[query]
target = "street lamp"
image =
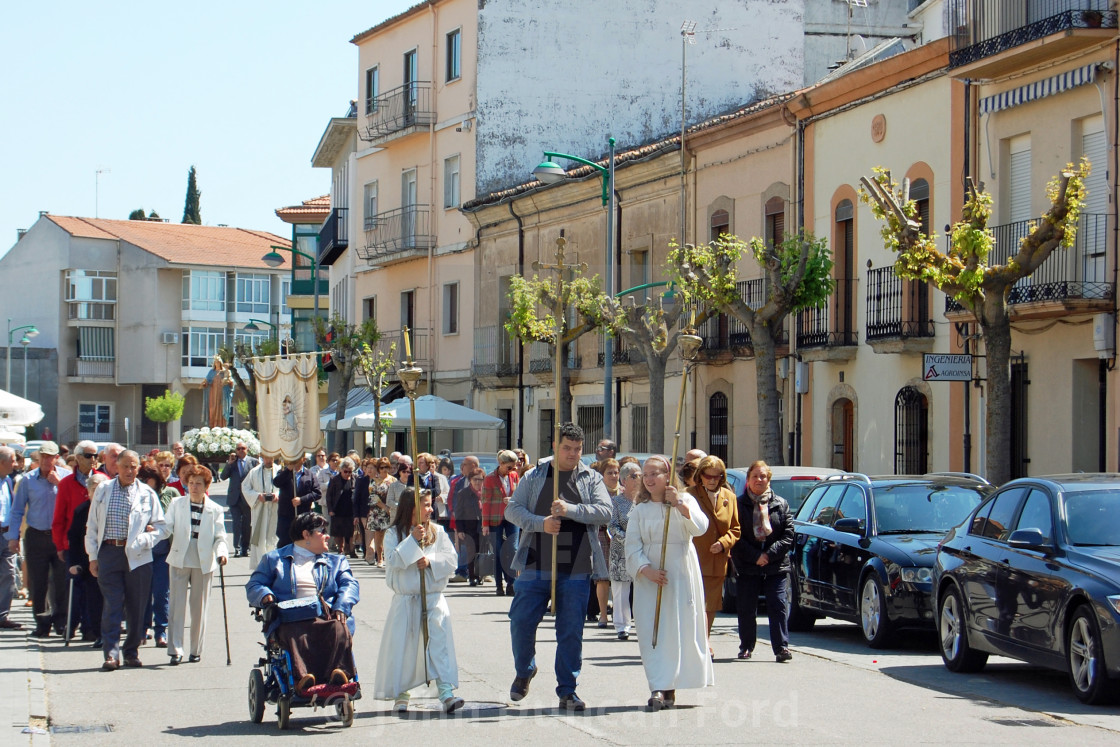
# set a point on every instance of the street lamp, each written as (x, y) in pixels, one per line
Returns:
(549, 172)
(25, 341)
(275, 259)
(31, 332)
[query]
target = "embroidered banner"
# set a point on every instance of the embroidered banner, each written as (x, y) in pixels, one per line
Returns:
(288, 406)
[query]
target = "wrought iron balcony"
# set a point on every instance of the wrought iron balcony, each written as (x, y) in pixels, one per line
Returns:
(1078, 275)
(495, 352)
(984, 28)
(399, 112)
(622, 353)
(334, 236)
(398, 234)
(541, 356)
(896, 308)
(832, 325)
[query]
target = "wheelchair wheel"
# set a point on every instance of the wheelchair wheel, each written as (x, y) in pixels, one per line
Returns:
(345, 711)
(283, 712)
(256, 696)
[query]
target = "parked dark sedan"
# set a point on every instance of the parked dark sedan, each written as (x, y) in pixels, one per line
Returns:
(1034, 574)
(864, 549)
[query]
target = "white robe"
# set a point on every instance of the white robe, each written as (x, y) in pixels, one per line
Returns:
(400, 662)
(681, 658)
(262, 535)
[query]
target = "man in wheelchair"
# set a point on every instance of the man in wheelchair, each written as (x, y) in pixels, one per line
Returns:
(306, 595)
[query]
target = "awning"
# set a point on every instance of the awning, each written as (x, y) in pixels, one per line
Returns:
(432, 412)
(358, 399)
(1039, 89)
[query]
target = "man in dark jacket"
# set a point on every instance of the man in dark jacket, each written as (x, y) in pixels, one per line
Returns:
(761, 558)
(240, 513)
(297, 489)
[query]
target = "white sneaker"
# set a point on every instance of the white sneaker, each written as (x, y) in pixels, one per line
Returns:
(452, 703)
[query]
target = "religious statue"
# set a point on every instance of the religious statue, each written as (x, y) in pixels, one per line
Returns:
(217, 395)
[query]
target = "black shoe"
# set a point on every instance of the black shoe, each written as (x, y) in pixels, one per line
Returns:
(572, 703)
(176, 660)
(194, 658)
(97, 644)
(509, 590)
(520, 687)
(500, 591)
(623, 636)
(783, 656)
(41, 633)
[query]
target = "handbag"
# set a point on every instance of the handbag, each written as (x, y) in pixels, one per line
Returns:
(298, 610)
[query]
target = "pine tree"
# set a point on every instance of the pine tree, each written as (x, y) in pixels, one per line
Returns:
(191, 212)
(153, 215)
(137, 214)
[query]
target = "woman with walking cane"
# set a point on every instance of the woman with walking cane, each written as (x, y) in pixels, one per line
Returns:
(196, 526)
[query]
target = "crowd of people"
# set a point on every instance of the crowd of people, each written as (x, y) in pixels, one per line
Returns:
(646, 546)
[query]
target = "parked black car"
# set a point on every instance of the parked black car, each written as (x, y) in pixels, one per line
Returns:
(1034, 574)
(864, 549)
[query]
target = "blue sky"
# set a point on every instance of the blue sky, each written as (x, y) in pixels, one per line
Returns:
(240, 89)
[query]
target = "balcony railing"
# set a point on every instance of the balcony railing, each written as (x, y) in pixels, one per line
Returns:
(831, 325)
(984, 28)
(1078, 273)
(334, 236)
(421, 349)
(541, 357)
(622, 353)
(495, 352)
(92, 310)
(404, 231)
(91, 368)
(398, 110)
(896, 308)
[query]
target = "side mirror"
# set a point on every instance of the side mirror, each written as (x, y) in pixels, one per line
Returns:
(1028, 539)
(849, 526)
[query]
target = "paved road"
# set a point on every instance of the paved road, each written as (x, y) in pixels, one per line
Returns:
(834, 691)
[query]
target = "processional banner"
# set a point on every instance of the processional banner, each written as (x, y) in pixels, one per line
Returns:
(288, 405)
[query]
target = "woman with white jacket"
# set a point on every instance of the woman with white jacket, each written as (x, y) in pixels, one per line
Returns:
(197, 529)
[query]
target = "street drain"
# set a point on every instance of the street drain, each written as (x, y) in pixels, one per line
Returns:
(82, 729)
(1024, 722)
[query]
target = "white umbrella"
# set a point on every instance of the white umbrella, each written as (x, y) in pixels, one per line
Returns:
(11, 437)
(17, 411)
(432, 412)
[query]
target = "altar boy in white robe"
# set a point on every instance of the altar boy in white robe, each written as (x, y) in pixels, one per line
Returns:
(259, 491)
(412, 549)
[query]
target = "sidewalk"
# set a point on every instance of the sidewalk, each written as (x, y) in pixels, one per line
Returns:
(21, 680)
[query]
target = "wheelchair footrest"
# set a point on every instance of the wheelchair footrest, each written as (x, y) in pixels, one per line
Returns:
(326, 690)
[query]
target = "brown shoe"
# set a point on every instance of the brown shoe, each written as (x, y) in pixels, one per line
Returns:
(133, 661)
(110, 665)
(338, 677)
(6, 624)
(306, 681)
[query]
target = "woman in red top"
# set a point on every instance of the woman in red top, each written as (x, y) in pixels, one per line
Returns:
(496, 492)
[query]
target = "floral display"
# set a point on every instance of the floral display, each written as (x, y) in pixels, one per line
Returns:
(216, 444)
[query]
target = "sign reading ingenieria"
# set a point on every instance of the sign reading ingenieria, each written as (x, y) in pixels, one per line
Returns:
(945, 367)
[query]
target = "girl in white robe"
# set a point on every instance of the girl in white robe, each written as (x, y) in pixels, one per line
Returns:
(681, 658)
(412, 549)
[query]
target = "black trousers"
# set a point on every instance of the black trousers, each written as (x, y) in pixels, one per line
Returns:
(776, 587)
(126, 593)
(46, 576)
(241, 516)
(469, 548)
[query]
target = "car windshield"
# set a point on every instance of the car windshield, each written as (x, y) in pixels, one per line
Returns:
(1093, 518)
(906, 509)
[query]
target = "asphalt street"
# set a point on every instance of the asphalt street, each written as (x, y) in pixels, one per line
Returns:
(834, 691)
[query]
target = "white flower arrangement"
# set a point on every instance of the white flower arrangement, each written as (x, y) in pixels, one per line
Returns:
(216, 444)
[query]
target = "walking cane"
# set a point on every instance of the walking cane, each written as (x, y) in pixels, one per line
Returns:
(690, 345)
(225, 618)
(69, 606)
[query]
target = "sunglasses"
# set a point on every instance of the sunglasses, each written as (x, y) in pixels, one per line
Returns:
(710, 477)
(87, 456)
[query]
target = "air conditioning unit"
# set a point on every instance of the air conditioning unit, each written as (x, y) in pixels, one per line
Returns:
(169, 338)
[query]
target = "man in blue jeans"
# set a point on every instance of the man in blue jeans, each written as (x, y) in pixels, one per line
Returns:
(572, 523)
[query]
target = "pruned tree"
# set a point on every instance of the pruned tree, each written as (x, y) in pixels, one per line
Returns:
(374, 366)
(345, 342)
(965, 274)
(797, 275)
(191, 210)
(164, 409)
(532, 318)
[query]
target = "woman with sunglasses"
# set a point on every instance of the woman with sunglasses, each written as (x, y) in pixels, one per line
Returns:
(340, 507)
(718, 502)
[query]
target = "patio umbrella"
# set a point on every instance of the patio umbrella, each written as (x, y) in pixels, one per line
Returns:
(17, 411)
(11, 437)
(432, 412)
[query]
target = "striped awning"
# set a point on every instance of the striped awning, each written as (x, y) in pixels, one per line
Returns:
(1039, 89)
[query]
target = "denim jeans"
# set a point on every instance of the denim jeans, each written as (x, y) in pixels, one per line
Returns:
(533, 591)
(505, 532)
(156, 611)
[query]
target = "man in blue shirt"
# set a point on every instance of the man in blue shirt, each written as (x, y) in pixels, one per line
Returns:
(9, 561)
(34, 498)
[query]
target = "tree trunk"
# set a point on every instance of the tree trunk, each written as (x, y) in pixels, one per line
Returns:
(996, 327)
(766, 375)
(249, 392)
(340, 409)
(655, 365)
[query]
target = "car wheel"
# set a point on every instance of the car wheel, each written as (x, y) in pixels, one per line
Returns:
(256, 696)
(1084, 655)
(957, 654)
(873, 621)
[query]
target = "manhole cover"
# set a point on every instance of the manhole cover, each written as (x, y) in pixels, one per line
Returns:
(82, 729)
(470, 708)
(1023, 722)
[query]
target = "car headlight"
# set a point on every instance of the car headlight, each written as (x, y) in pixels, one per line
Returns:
(916, 575)
(1114, 600)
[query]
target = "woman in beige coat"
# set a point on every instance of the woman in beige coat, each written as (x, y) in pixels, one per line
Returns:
(197, 529)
